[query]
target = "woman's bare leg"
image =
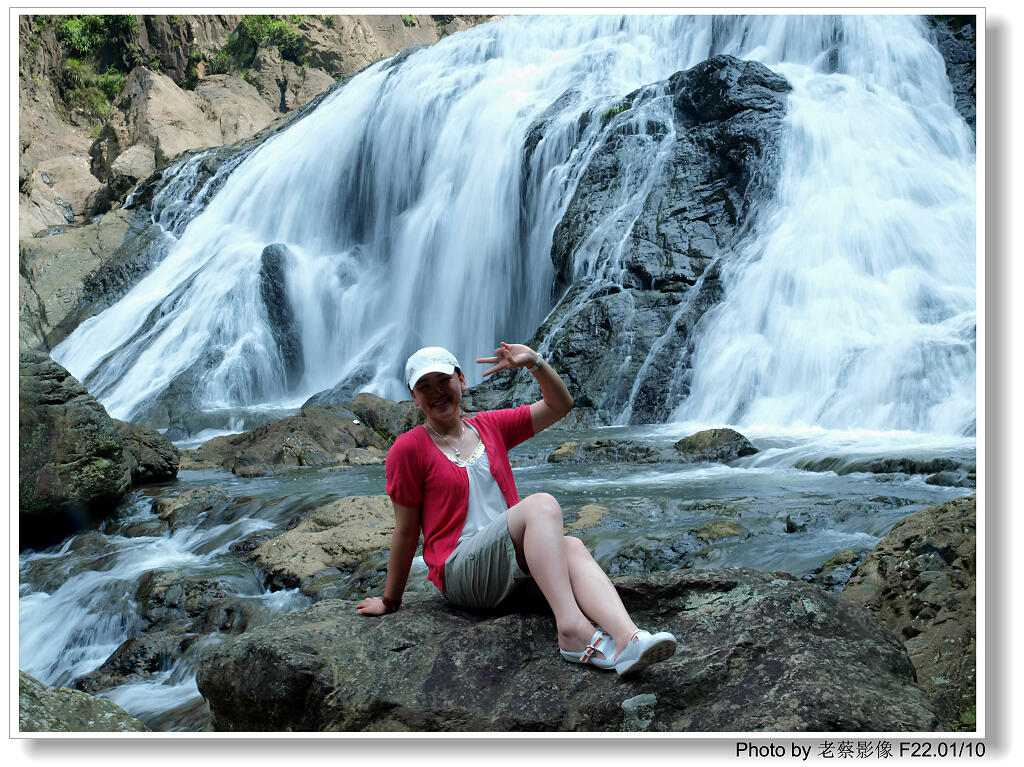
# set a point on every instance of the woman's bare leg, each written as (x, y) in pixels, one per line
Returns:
(575, 586)
(535, 526)
(595, 594)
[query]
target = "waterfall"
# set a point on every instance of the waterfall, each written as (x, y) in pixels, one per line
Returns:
(410, 216)
(853, 305)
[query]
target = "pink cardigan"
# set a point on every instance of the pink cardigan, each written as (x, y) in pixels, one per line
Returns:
(421, 477)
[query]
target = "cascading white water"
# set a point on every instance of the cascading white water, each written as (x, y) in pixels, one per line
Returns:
(853, 305)
(399, 199)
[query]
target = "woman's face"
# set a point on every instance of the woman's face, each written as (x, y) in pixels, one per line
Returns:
(438, 395)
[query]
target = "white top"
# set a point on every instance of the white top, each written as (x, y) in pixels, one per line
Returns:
(486, 502)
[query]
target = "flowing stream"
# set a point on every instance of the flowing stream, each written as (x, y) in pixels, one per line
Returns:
(846, 332)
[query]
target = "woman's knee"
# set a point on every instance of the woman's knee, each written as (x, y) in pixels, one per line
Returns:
(576, 549)
(543, 505)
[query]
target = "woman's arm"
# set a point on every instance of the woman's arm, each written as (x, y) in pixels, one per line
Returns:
(555, 399)
(403, 548)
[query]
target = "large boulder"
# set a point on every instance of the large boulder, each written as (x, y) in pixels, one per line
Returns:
(626, 309)
(921, 580)
(386, 417)
(759, 652)
(42, 708)
(714, 445)
(155, 115)
(152, 121)
(234, 106)
(335, 538)
(320, 435)
(151, 456)
(72, 470)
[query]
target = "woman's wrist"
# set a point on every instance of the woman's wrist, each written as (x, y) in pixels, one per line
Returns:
(538, 361)
(391, 605)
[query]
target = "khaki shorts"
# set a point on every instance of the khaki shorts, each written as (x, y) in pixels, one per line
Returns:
(483, 570)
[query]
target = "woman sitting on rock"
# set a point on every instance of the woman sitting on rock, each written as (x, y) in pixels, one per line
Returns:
(451, 479)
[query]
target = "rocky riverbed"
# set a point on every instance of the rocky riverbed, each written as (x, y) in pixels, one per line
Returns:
(187, 574)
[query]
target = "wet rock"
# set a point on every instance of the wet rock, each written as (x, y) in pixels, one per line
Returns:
(589, 515)
(321, 435)
(334, 537)
(386, 417)
(843, 465)
(834, 574)
(42, 708)
(603, 450)
(920, 580)
(763, 652)
(274, 292)
(72, 471)
(715, 445)
(170, 601)
(648, 554)
(136, 660)
(203, 506)
(144, 529)
(719, 529)
(151, 456)
(951, 479)
(955, 39)
(92, 550)
(623, 348)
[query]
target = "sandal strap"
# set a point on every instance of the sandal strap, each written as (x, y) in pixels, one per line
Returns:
(595, 643)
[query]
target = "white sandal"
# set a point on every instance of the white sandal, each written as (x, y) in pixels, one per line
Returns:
(644, 649)
(599, 643)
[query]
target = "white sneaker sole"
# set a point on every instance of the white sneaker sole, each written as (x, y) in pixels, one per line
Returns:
(663, 649)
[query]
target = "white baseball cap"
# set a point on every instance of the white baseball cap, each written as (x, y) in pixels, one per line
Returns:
(429, 359)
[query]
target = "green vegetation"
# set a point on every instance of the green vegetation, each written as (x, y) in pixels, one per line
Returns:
(113, 39)
(387, 436)
(191, 77)
(409, 20)
(261, 31)
(90, 91)
(609, 113)
(100, 50)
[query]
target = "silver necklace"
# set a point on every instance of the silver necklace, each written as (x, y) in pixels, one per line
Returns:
(457, 450)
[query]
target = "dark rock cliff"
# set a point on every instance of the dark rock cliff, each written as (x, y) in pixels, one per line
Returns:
(626, 311)
(955, 39)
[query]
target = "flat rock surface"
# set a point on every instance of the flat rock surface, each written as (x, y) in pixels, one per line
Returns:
(758, 651)
(337, 535)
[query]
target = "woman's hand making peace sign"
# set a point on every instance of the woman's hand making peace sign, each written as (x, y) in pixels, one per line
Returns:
(509, 356)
